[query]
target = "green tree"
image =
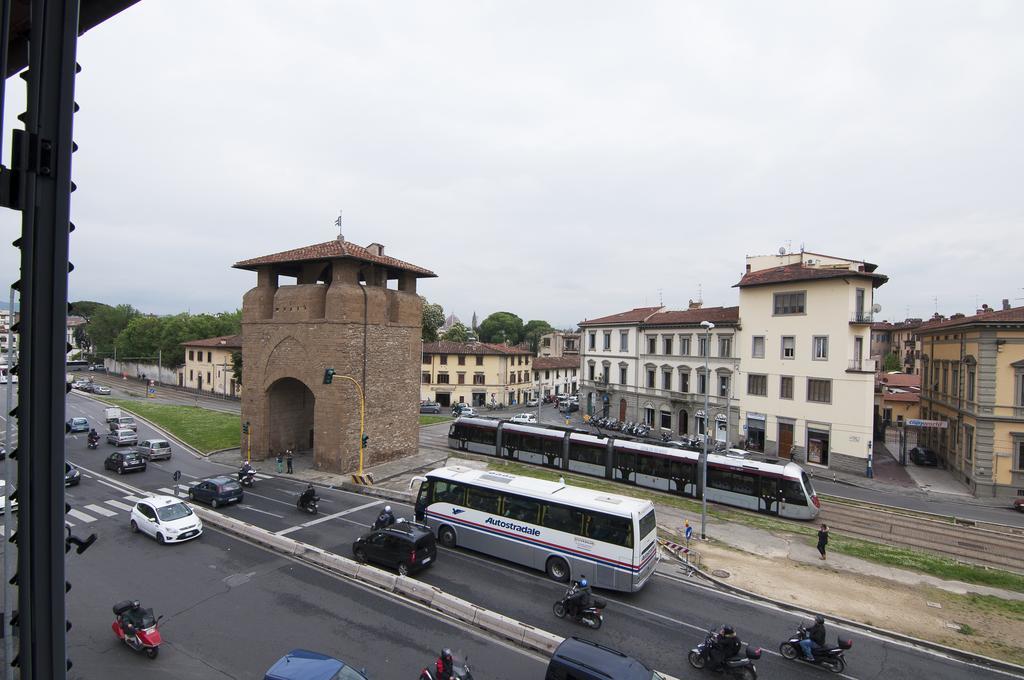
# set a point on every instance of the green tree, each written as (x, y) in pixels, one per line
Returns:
(891, 362)
(105, 324)
(140, 339)
(86, 308)
(501, 327)
(457, 333)
(533, 330)
(433, 318)
(236, 366)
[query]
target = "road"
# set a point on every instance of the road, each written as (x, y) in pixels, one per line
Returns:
(657, 625)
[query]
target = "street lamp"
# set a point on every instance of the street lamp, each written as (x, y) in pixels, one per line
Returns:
(707, 326)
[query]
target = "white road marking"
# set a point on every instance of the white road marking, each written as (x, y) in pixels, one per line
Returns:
(133, 499)
(169, 492)
(81, 516)
(260, 475)
(100, 510)
(113, 486)
(327, 518)
(246, 507)
(119, 505)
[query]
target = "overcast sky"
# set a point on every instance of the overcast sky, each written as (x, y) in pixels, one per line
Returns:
(560, 160)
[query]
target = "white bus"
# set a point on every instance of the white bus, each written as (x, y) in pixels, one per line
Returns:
(564, 530)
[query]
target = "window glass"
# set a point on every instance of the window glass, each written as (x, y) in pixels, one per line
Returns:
(521, 509)
(608, 529)
(483, 500)
(449, 492)
(176, 511)
(561, 518)
(648, 523)
(587, 453)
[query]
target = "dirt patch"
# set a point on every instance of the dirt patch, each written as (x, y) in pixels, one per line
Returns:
(894, 606)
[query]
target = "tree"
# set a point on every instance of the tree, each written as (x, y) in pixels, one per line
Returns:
(140, 339)
(502, 327)
(236, 366)
(433, 318)
(105, 324)
(533, 330)
(457, 333)
(891, 362)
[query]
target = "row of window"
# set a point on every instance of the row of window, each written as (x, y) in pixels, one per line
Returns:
(197, 355)
(558, 374)
(788, 346)
(951, 388)
(667, 344)
(819, 390)
(587, 523)
(444, 378)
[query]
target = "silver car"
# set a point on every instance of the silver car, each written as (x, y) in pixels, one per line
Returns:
(122, 437)
(155, 449)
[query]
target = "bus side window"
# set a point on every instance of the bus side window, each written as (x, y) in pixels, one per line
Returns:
(483, 500)
(520, 509)
(608, 529)
(449, 492)
(561, 518)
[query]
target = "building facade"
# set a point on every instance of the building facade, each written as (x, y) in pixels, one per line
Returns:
(972, 371)
(351, 309)
(559, 344)
(209, 365)
(648, 365)
(808, 384)
(7, 319)
(555, 375)
(475, 373)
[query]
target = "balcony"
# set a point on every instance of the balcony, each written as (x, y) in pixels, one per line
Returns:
(862, 317)
(861, 366)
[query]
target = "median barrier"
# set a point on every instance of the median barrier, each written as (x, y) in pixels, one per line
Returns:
(457, 607)
(416, 590)
(377, 577)
(495, 623)
(541, 640)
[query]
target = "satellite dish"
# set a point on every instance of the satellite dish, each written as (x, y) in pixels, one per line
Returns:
(782, 251)
(876, 308)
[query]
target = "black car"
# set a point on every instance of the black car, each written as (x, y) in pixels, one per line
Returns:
(124, 461)
(72, 476)
(586, 660)
(406, 546)
(216, 491)
(922, 455)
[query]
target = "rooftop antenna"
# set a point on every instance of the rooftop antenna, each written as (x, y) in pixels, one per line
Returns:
(661, 301)
(700, 294)
(935, 299)
(337, 223)
(908, 313)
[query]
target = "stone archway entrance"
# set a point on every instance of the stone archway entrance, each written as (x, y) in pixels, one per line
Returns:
(290, 419)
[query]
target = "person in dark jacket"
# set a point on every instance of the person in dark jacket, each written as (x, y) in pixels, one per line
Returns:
(445, 665)
(815, 638)
(822, 540)
(726, 646)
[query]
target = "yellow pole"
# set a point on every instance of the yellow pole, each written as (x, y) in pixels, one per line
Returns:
(362, 416)
(248, 446)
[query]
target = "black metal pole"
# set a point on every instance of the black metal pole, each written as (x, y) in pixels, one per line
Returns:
(46, 201)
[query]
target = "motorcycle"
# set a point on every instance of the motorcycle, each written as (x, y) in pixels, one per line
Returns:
(462, 672)
(740, 666)
(592, 616)
(827, 657)
(309, 506)
(247, 478)
(137, 628)
(93, 443)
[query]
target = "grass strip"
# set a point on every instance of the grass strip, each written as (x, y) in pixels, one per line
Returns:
(431, 419)
(203, 430)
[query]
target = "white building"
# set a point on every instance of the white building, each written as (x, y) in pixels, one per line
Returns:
(558, 344)
(555, 375)
(648, 365)
(808, 386)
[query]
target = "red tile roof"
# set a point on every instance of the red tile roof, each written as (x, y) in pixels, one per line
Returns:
(448, 347)
(798, 272)
(632, 316)
(1002, 316)
(684, 317)
(331, 250)
(900, 380)
(544, 363)
(908, 397)
(223, 341)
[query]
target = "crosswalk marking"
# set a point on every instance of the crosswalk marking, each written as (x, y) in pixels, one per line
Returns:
(167, 491)
(183, 487)
(260, 475)
(133, 499)
(100, 510)
(119, 505)
(81, 516)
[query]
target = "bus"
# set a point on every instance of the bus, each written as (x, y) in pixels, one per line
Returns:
(77, 364)
(563, 530)
(770, 486)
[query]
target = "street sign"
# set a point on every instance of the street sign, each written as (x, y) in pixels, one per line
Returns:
(151, 392)
(917, 422)
(176, 475)
(689, 532)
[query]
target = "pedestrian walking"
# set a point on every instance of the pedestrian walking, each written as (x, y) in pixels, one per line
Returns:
(280, 463)
(822, 540)
(290, 461)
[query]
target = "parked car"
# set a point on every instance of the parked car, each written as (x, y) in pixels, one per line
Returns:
(406, 546)
(124, 461)
(77, 425)
(430, 407)
(122, 437)
(155, 449)
(1018, 503)
(100, 389)
(167, 519)
(98, 367)
(84, 386)
(586, 660)
(526, 418)
(463, 410)
(123, 423)
(531, 402)
(216, 491)
(922, 455)
(302, 664)
(72, 475)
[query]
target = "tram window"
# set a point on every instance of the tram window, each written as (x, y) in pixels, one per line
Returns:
(482, 435)
(552, 447)
(449, 492)
(483, 500)
(681, 470)
(792, 492)
(511, 440)
(719, 479)
(585, 453)
(529, 443)
(744, 483)
(520, 509)
(655, 466)
(608, 529)
(625, 459)
(561, 518)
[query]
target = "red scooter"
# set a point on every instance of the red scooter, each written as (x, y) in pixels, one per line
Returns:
(137, 628)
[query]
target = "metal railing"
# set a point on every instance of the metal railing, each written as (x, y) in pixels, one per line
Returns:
(864, 365)
(862, 316)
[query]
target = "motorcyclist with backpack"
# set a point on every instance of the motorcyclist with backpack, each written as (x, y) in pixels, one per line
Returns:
(580, 599)
(93, 436)
(307, 496)
(445, 665)
(385, 519)
(726, 646)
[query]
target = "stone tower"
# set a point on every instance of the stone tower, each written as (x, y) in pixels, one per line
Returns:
(352, 309)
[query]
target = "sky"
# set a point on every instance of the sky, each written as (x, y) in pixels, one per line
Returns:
(560, 160)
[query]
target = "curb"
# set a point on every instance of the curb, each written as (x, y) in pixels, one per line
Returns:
(960, 654)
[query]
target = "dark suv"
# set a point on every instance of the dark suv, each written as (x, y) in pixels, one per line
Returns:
(577, 659)
(406, 546)
(922, 455)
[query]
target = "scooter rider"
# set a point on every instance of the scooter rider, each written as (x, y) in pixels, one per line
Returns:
(307, 496)
(385, 519)
(580, 599)
(815, 638)
(93, 436)
(445, 665)
(726, 646)
(245, 469)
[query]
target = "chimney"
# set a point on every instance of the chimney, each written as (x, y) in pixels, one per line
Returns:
(375, 249)
(1006, 304)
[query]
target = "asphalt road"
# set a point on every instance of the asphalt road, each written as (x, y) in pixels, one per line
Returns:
(657, 625)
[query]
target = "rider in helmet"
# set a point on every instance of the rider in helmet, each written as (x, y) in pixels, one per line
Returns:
(385, 519)
(308, 495)
(580, 599)
(445, 665)
(93, 436)
(815, 638)
(245, 469)
(726, 645)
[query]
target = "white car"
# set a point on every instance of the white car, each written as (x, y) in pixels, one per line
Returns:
(526, 418)
(531, 402)
(167, 519)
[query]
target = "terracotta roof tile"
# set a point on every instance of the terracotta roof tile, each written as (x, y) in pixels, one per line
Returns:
(223, 341)
(798, 272)
(900, 380)
(695, 316)
(544, 363)
(448, 347)
(908, 397)
(632, 316)
(1012, 315)
(331, 250)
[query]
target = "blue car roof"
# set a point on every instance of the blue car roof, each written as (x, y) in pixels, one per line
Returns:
(302, 664)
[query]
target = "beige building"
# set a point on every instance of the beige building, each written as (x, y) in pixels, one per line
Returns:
(555, 375)
(972, 371)
(475, 373)
(559, 344)
(209, 366)
(807, 384)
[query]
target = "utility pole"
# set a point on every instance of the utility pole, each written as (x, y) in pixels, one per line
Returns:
(707, 325)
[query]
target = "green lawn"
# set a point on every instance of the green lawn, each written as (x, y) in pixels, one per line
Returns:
(203, 430)
(430, 419)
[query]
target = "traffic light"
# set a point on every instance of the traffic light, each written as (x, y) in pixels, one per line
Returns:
(366, 438)
(328, 376)
(245, 427)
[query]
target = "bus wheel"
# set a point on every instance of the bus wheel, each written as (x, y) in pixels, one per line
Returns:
(558, 569)
(446, 535)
